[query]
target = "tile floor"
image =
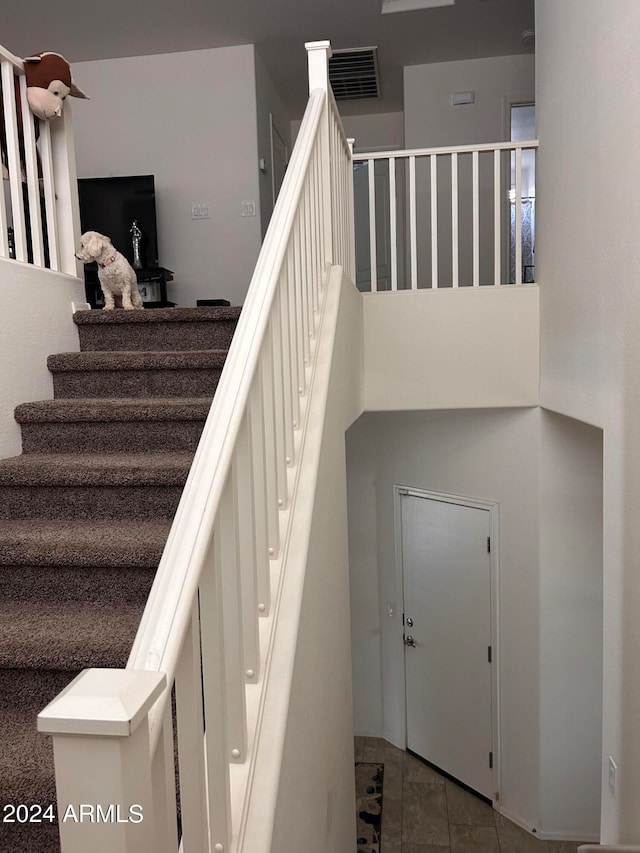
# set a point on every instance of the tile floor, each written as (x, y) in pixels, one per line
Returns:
(422, 812)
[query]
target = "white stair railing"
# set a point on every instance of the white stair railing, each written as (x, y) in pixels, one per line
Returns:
(200, 666)
(445, 217)
(39, 214)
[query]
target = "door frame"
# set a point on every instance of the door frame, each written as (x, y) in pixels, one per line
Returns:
(494, 560)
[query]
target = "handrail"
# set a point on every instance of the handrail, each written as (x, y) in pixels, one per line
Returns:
(446, 149)
(166, 617)
(17, 63)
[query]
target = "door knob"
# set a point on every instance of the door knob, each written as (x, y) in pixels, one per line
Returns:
(409, 621)
(409, 641)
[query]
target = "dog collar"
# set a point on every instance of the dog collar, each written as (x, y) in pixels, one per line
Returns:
(107, 262)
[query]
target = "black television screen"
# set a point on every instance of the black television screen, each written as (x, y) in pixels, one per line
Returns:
(110, 205)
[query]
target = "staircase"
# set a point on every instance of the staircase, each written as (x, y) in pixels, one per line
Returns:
(84, 516)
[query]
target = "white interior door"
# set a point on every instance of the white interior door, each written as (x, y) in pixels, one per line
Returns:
(447, 607)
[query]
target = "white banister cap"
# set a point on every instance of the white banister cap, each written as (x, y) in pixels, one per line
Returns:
(319, 45)
(103, 702)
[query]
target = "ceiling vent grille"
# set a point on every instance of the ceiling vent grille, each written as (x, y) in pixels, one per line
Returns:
(354, 74)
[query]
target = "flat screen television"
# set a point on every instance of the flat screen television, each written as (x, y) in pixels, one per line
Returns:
(110, 205)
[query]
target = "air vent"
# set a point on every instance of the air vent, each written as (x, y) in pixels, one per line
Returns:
(354, 74)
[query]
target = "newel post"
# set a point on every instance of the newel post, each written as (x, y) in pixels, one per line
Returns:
(101, 745)
(318, 56)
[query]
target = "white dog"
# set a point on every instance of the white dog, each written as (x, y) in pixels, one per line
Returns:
(117, 276)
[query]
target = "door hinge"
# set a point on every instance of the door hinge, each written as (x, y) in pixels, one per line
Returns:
(488, 544)
(489, 655)
(491, 760)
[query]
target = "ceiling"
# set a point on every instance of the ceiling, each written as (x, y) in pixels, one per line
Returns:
(279, 28)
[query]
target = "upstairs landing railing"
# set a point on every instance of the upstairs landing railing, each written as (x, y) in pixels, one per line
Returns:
(199, 671)
(445, 217)
(39, 216)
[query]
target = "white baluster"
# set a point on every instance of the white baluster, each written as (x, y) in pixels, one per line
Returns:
(190, 728)
(413, 237)
(46, 159)
(392, 223)
(261, 502)
(434, 221)
(372, 227)
(226, 562)
(476, 220)
(216, 729)
(13, 160)
(497, 203)
(518, 216)
(454, 220)
(164, 788)
(33, 183)
(243, 472)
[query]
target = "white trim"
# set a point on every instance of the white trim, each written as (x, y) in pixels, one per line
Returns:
(447, 149)
(493, 508)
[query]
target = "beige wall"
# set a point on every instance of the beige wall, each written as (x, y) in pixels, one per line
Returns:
(190, 120)
(570, 627)
(451, 349)
(35, 321)
(588, 73)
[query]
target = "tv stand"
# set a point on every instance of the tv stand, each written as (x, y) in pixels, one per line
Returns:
(152, 284)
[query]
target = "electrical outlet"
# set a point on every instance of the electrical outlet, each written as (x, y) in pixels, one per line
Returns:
(613, 772)
(200, 211)
(248, 208)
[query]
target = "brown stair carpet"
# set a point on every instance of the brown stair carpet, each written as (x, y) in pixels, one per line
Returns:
(84, 516)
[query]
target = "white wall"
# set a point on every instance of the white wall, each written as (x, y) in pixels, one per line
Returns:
(495, 455)
(378, 131)
(431, 120)
(190, 120)
(268, 102)
(452, 349)
(570, 627)
(35, 322)
(588, 74)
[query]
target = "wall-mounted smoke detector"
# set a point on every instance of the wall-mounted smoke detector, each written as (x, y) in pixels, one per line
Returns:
(391, 6)
(528, 36)
(353, 74)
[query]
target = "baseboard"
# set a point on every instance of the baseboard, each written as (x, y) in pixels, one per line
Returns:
(523, 824)
(577, 837)
(566, 835)
(367, 734)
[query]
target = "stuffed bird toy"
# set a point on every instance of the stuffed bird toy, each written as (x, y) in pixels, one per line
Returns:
(49, 81)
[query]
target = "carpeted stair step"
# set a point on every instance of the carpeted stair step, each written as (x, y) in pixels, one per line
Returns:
(129, 486)
(103, 425)
(124, 373)
(156, 329)
(26, 759)
(56, 636)
(89, 544)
